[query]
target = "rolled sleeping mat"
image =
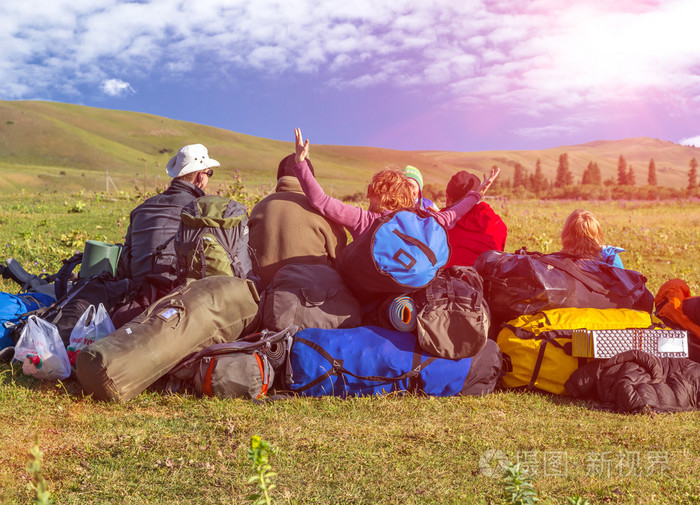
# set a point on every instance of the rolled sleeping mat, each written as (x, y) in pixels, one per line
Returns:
(196, 315)
(399, 313)
(277, 354)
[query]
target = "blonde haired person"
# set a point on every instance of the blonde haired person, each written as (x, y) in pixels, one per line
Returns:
(582, 236)
(389, 190)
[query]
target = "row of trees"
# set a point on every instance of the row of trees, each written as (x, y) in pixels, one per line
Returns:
(538, 184)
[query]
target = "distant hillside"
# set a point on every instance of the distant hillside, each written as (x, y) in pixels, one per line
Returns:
(63, 147)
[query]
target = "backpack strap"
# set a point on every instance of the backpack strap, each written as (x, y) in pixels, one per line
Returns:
(61, 282)
(548, 338)
(159, 250)
(202, 260)
(337, 368)
(417, 365)
(264, 368)
(477, 297)
(158, 265)
(206, 382)
(568, 266)
(248, 344)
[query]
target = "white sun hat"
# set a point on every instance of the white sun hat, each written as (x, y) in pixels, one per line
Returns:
(191, 158)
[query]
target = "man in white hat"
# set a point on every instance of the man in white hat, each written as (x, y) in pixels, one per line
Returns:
(156, 220)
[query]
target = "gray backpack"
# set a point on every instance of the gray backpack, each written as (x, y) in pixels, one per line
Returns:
(242, 369)
(309, 296)
(213, 239)
(453, 317)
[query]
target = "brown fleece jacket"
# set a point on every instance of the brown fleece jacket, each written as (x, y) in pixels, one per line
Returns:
(285, 228)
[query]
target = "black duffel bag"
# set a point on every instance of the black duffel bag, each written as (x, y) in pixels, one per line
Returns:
(523, 282)
(65, 312)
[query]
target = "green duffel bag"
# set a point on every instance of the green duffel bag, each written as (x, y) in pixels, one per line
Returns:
(196, 315)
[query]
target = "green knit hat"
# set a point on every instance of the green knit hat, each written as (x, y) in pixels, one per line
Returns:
(413, 173)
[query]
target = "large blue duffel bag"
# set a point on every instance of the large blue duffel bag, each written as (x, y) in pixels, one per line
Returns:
(401, 252)
(12, 306)
(371, 360)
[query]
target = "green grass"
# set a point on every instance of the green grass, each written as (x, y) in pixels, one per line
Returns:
(404, 450)
(661, 238)
(160, 449)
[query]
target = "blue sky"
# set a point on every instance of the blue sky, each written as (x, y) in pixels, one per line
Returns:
(465, 75)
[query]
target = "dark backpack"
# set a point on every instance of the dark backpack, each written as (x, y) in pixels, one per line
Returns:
(245, 368)
(401, 252)
(213, 239)
(152, 288)
(65, 312)
(453, 317)
(309, 296)
(525, 282)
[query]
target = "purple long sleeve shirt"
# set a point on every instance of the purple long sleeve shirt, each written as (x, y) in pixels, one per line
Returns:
(356, 219)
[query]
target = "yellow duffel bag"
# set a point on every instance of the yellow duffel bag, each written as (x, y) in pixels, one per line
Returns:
(537, 348)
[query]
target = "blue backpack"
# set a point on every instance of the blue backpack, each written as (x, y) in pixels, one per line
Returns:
(401, 252)
(371, 360)
(12, 306)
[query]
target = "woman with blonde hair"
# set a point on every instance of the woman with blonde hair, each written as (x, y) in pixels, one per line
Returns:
(582, 236)
(389, 190)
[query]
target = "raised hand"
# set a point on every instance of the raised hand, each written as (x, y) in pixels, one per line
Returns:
(484, 186)
(302, 147)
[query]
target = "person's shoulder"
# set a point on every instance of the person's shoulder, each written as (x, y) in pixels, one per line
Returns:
(482, 206)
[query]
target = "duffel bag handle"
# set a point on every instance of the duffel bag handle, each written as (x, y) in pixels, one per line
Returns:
(429, 290)
(420, 245)
(317, 301)
(574, 271)
(337, 368)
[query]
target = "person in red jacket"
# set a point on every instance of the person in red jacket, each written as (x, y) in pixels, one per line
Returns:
(479, 230)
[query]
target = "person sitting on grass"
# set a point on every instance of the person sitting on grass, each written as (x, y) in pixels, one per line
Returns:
(416, 180)
(583, 237)
(157, 219)
(388, 191)
(479, 230)
(285, 228)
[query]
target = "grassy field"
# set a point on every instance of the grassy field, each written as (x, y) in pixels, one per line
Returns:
(175, 448)
(50, 145)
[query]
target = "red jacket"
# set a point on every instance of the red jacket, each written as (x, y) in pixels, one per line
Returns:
(479, 230)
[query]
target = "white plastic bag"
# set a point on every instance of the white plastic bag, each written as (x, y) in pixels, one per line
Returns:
(93, 325)
(41, 351)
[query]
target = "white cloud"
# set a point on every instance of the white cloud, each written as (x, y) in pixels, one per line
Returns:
(116, 87)
(690, 141)
(533, 57)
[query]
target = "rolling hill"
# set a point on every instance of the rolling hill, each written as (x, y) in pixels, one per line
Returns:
(50, 146)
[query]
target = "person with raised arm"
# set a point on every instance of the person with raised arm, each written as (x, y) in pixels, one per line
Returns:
(285, 229)
(389, 190)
